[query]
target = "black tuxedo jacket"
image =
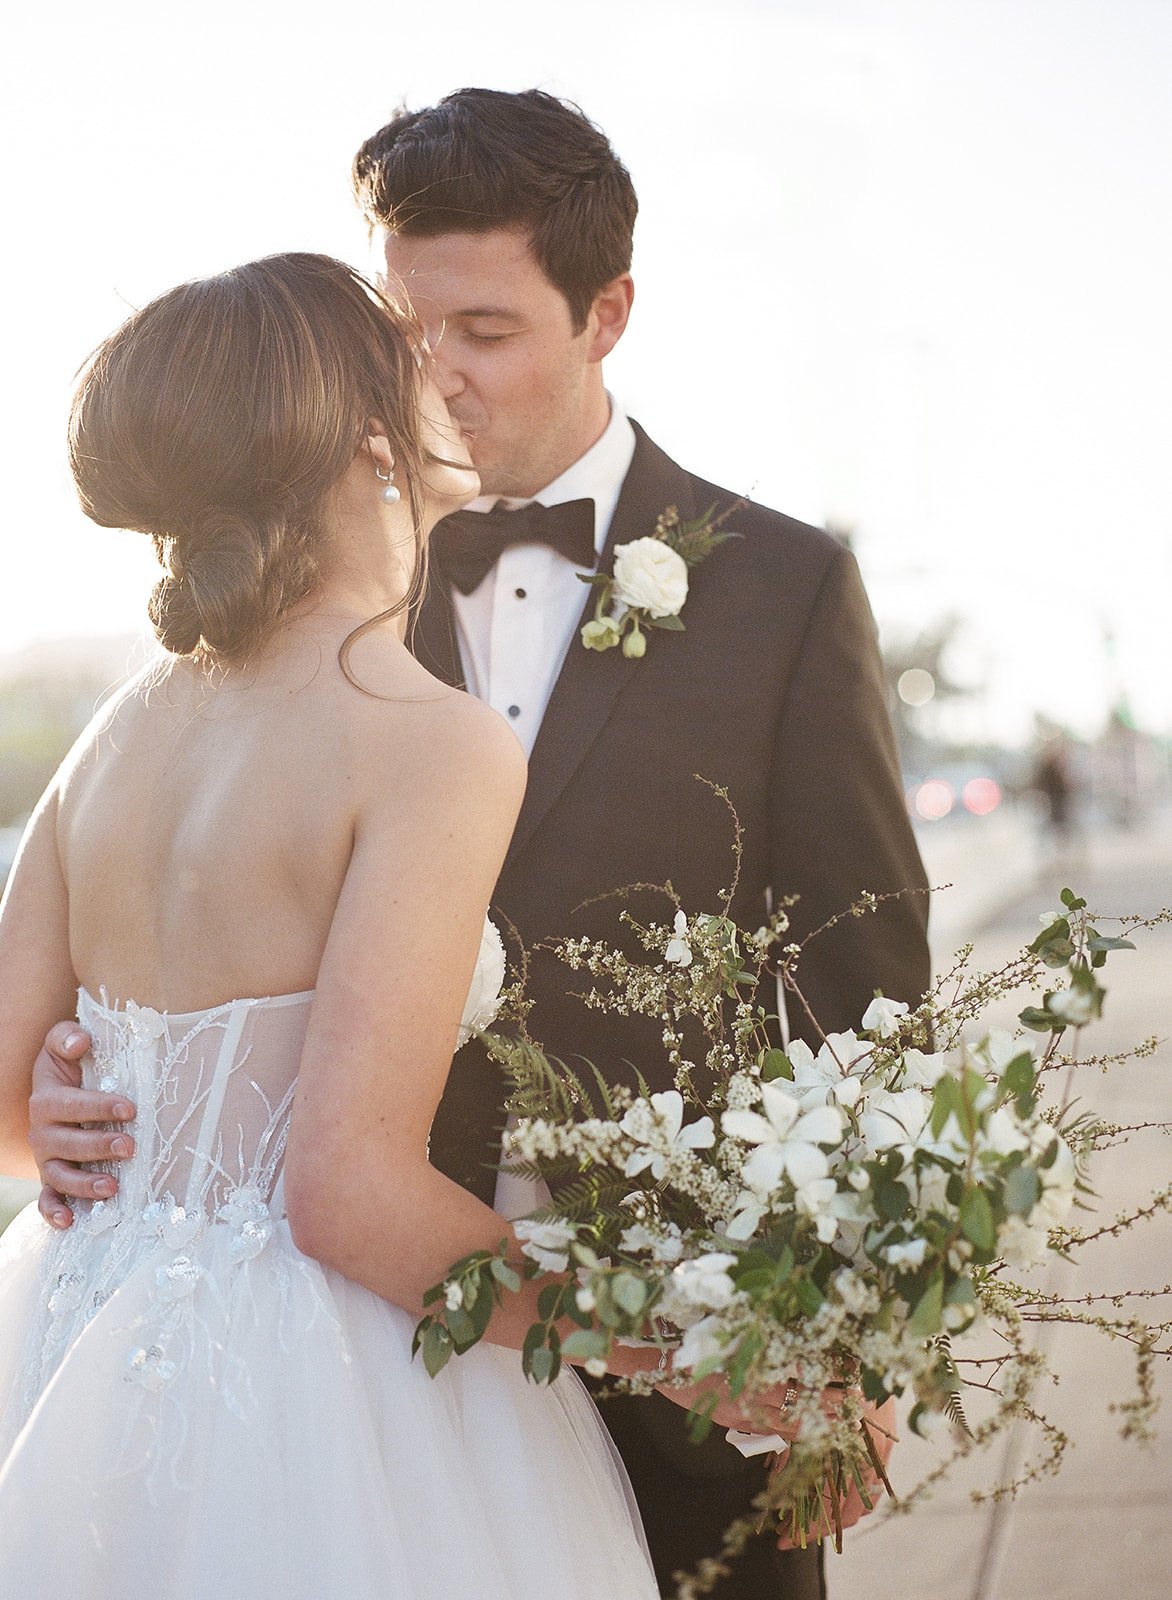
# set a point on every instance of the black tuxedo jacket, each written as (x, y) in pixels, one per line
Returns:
(774, 690)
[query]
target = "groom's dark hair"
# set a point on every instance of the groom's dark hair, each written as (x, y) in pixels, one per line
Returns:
(484, 159)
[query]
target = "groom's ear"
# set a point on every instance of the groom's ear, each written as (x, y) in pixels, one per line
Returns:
(608, 315)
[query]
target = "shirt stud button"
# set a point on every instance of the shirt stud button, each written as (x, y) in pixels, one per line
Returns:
(522, 594)
(514, 711)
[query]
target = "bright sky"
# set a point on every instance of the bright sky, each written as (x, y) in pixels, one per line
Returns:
(900, 263)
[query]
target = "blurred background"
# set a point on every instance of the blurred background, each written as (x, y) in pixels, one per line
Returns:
(902, 269)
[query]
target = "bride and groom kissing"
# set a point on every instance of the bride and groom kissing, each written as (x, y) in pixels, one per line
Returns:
(380, 821)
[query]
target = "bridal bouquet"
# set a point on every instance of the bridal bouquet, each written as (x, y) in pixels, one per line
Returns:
(796, 1217)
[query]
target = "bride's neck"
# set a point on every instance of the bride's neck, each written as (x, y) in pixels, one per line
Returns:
(369, 570)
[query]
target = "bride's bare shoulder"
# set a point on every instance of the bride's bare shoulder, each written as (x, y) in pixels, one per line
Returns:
(407, 728)
(117, 715)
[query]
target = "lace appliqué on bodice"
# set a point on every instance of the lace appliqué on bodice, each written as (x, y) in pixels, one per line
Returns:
(203, 1192)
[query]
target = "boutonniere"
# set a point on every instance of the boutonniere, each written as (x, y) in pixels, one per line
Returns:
(650, 580)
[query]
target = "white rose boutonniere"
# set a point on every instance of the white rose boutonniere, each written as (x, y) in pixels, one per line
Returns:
(650, 575)
(649, 584)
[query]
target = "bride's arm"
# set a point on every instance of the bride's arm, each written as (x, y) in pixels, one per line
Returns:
(429, 843)
(362, 1196)
(37, 985)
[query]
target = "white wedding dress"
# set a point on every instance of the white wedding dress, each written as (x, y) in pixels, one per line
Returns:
(191, 1409)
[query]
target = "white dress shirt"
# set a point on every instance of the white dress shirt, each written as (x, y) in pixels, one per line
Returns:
(515, 627)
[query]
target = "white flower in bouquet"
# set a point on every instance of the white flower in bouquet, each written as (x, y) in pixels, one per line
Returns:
(834, 1074)
(882, 1016)
(859, 1297)
(907, 1253)
(1021, 1245)
(679, 951)
(922, 1071)
(932, 1187)
(787, 1138)
(701, 1342)
(650, 575)
(788, 1144)
(547, 1243)
(657, 1126)
(995, 1050)
(1075, 1006)
(487, 980)
(894, 1118)
(1003, 1134)
(664, 1242)
(1058, 1179)
(820, 1200)
(702, 1284)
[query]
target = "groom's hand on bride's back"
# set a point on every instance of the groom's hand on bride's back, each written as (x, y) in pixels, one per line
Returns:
(60, 1112)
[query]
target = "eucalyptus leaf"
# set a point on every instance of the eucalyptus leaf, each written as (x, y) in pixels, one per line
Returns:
(1023, 1189)
(976, 1219)
(776, 1064)
(585, 1344)
(541, 1365)
(505, 1276)
(892, 1199)
(630, 1293)
(437, 1349)
(1018, 1077)
(927, 1315)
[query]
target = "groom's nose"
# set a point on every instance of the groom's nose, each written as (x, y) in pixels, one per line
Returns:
(449, 380)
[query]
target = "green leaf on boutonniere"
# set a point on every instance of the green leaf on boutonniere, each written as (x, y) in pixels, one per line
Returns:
(648, 586)
(697, 539)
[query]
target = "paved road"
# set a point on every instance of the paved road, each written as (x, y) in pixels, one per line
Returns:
(1102, 1526)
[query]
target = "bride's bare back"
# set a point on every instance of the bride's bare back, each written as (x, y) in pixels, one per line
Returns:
(206, 821)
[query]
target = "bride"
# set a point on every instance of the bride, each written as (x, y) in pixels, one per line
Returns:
(259, 881)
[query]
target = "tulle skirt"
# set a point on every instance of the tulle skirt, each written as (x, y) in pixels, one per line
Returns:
(228, 1428)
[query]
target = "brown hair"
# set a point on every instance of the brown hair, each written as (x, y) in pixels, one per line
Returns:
(484, 159)
(220, 417)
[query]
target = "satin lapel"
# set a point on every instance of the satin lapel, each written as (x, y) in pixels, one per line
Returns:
(433, 642)
(589, 682)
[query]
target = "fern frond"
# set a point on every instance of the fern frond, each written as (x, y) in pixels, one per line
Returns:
(595, 1195)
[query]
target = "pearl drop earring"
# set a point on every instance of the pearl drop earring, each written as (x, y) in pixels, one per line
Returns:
(390, 494)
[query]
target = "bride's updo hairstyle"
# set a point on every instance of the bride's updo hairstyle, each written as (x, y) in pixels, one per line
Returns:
(219, 419)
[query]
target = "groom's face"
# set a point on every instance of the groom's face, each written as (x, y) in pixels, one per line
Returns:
(521, 385)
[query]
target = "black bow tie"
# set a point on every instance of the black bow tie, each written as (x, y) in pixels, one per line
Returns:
(468, 544)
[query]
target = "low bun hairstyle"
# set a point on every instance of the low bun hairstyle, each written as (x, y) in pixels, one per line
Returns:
(219, 419)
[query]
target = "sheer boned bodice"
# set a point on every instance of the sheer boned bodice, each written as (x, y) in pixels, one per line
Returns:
(213, 1091)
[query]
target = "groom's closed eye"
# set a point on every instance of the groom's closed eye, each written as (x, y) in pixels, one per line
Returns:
(483, 324)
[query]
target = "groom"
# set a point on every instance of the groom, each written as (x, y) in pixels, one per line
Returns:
(507, 221)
